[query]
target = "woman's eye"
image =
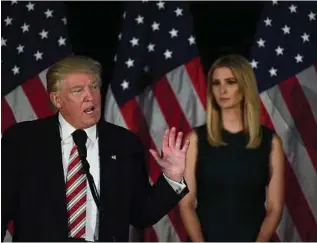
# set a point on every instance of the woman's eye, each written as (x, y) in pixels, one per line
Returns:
(232, 82)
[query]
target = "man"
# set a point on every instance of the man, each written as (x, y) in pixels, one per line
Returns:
(45, 186)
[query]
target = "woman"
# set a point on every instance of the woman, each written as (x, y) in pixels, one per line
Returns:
(235, 166)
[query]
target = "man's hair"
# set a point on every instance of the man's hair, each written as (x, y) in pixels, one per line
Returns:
(250, 106)
(71, 64)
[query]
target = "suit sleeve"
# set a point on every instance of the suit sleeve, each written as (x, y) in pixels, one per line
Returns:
(10, 179)
(150, 203)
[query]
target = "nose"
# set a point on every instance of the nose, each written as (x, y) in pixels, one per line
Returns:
(88, 95)
(223, 88)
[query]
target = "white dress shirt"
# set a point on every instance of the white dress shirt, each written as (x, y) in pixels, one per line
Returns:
(92, 145)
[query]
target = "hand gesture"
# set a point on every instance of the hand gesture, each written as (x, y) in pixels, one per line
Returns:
(173, 157)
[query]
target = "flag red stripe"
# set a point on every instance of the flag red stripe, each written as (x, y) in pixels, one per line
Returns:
(275, 237)
(38, 97)
(7, 116)
(196, 74)
(169, 105)
(135, 121)
(150, 235)
(129, 111)
(174, 116)
(294, 198)
(299, 108)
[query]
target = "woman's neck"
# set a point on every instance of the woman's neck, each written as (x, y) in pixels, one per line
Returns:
(232, 119)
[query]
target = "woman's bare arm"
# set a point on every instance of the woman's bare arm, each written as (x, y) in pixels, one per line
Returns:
(187, 204)
(275, 192)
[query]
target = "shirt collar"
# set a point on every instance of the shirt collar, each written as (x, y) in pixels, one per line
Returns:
(67, 129)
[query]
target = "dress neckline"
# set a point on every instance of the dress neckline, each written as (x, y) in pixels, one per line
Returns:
(233, 133)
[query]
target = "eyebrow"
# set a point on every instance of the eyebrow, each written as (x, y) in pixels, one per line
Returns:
(226, 78)
(76, 87)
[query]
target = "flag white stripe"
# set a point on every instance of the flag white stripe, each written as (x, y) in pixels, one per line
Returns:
(8, 237)
(187, 97)
(112, 111)
(153, 116)
(293, 146)
(286, 230)
(308, 81)
(157, 125)
(20, 105)
(113, 115)
(42, 77)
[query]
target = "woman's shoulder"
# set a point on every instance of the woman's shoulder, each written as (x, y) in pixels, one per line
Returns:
(269, 136)
(267, 130)
(200, 129)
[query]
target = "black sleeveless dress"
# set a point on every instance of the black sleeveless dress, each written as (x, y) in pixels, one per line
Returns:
(231, 186)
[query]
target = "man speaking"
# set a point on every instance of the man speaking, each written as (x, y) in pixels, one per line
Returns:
(73, 176)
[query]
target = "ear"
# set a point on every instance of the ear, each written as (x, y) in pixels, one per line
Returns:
(54, 97)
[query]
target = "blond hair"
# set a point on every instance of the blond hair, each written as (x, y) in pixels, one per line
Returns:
(250, 106)
(71, 64)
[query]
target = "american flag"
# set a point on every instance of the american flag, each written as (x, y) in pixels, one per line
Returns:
(157, 83)
(284, 58)
(34, 36)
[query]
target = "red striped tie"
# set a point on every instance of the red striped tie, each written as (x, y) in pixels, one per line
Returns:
(76, 196)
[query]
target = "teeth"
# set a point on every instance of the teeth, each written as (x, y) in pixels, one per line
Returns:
(89, 110)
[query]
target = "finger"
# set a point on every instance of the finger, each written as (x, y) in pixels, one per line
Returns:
(171, 140)
(185, 146)
(179, 140)
(159, 161)
(155, 154)
(165, 139)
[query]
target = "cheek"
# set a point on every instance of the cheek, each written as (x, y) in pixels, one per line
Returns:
(97, 97)
(215, 90)
(235, 92)
(74, 103)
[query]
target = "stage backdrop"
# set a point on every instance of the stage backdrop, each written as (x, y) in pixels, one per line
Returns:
(154, 56)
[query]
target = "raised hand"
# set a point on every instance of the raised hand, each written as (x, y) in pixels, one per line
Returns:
(173, 158)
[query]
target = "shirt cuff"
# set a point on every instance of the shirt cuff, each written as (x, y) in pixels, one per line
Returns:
(177, 186)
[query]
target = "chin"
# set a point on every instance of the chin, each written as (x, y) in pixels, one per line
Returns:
(229, 106)
(91, 121)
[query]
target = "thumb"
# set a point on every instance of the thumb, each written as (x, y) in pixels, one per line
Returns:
(155, 154)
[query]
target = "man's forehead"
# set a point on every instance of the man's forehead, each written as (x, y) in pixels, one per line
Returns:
(78, 77)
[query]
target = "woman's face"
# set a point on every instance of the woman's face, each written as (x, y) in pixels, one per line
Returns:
(225, 88)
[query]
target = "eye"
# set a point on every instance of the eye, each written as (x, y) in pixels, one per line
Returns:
(231, 82)
(77, 90)
(215, 82)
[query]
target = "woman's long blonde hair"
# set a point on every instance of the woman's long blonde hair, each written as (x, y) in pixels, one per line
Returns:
(250, 106)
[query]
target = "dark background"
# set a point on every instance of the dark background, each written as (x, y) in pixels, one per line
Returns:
(220, 27)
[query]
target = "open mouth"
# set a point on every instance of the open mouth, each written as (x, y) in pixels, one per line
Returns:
(90, 110)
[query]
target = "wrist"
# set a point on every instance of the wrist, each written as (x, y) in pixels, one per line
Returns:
(175, 177)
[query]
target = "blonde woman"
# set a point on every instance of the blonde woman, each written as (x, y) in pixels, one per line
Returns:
(235, 166)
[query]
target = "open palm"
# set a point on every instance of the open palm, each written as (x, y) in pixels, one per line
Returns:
(173, 158)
